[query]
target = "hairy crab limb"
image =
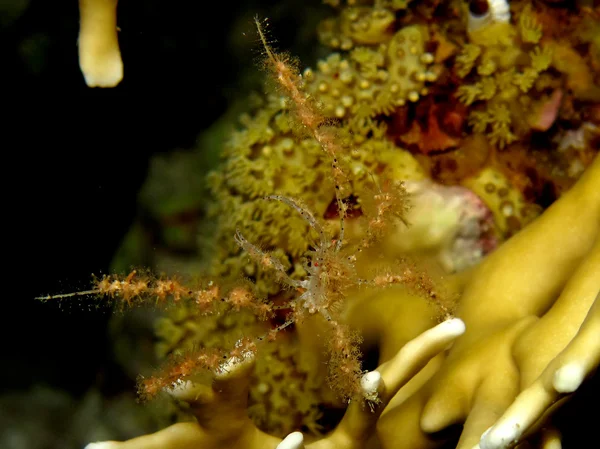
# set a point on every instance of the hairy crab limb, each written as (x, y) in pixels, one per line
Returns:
(222, 416)
(220, 410)
(99, 54)
(379, 386)
(523, 306)
(304, 213)
(317, 294)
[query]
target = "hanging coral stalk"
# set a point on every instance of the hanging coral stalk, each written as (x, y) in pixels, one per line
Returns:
(99, 54)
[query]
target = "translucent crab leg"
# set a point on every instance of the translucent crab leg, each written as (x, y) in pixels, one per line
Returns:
(310, 218)
(266, 260)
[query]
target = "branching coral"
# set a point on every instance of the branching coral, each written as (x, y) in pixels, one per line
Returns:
(564, 374)
(99, 54)
(504, 353)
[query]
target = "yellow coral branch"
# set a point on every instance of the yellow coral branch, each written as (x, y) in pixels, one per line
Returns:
(99, 54)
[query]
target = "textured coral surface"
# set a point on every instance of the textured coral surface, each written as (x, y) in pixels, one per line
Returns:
(441, 161)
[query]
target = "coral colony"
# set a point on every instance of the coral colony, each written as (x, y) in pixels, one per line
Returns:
(405, 237)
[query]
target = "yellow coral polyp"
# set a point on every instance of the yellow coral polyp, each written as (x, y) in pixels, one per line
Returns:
(465, 61)
(469, 93)
(529, 27)
(511, 212)
(374, 81)
(499, 55)
(366, 25)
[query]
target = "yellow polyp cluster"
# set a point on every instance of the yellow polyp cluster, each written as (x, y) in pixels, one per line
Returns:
(271, 155)
(511, 211)
(374, 81)
(277, 380)
(465, 60)
(264, 158)
(495, 123)
(357, 26)
(500, 66)
(184, 329)
(284, 395)
(529, 28)
(360, 22)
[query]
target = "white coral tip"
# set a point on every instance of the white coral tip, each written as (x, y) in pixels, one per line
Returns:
(453, 327)
(502, 435)
(568, 378)
(294, 440)
(101, 445)
(370, 383)
(500, 10)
